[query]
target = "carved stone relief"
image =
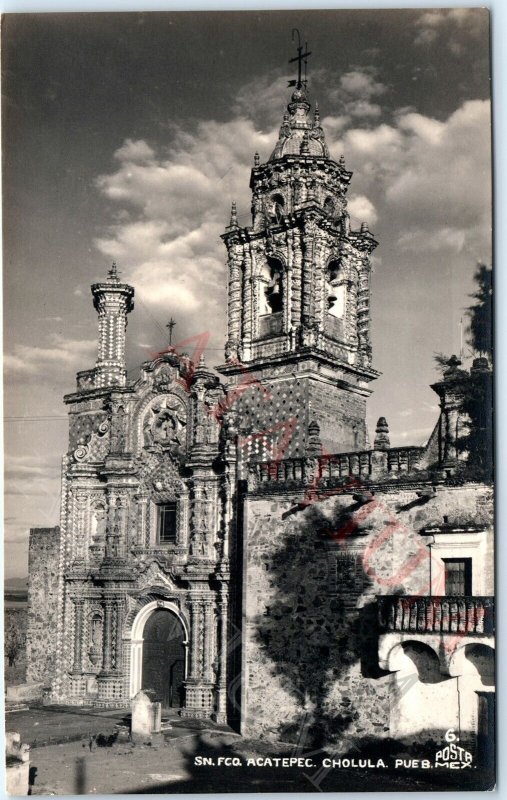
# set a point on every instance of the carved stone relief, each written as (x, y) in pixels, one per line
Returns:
(164, 424)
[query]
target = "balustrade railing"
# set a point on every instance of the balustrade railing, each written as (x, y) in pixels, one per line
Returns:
(443, 614)
(339, 465)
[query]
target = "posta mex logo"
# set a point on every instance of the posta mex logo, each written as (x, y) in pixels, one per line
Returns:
(452, 756)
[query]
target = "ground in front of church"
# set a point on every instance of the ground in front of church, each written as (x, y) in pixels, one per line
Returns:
(191, 757)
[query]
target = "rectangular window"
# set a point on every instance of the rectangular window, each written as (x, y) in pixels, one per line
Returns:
(458, 576)
(167, 523)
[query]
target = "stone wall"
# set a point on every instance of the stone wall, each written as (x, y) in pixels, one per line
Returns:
(15, 625)
(42, 603)
(312, 573)
(275, 416)
(341, 416)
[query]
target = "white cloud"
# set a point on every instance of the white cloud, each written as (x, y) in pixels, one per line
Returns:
(362, 209)
(452, 239)
(363, 108)
(432, 175)
(263, 99)
(355, 91)
(169, 247)
(452, 27)
(361, 84)
(135, 151)
(27, 469)
(170, 206)
(47, 362)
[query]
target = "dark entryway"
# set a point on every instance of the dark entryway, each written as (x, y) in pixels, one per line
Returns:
(164, 657)
(486, 729)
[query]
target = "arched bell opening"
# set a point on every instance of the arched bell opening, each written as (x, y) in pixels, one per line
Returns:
(274, 287)
(329, 206)
(336, 286)
(271, 297)
(277, 209)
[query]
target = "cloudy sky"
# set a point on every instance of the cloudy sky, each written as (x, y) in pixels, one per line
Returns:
(126, 136)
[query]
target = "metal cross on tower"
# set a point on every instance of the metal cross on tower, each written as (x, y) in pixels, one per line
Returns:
(113, 272)
(299, 58)
(170, 325)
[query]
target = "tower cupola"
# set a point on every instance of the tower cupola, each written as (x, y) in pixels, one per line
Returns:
(299, 275)
(113, 301)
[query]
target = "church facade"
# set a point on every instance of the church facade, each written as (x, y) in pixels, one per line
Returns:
(234, 541)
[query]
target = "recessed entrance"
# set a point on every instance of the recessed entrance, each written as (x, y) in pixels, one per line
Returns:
(163, 667)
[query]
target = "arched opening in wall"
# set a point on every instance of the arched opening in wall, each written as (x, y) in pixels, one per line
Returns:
(271, 297)
(425, 661)
(277, 209)
(482, 659)
(163, 663)
(424, 699)
(274, 288)
(329, 206)
(96, 624)
(336, 298)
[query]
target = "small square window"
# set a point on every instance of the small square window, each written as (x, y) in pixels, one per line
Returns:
(458, 576)
(167, 523)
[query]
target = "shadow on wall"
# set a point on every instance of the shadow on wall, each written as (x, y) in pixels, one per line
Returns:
(317, 636)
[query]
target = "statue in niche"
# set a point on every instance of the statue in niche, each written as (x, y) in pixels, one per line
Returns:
(163, 379)
(165, 424)
(118, 437)
(147, 437)
(112, 544)
(198, 545)
(99, 521)
(95, 651)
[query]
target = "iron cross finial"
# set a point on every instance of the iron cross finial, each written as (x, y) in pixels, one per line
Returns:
(170, 325)
(299, 58)
(113, 272)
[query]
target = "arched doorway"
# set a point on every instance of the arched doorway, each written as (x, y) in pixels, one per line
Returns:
(163, 663)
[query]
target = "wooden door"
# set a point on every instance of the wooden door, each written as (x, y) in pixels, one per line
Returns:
(164, 657)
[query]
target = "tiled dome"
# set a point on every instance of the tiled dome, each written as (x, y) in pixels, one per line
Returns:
(298, 134)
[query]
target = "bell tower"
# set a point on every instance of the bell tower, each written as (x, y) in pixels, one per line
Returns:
(298, 295)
